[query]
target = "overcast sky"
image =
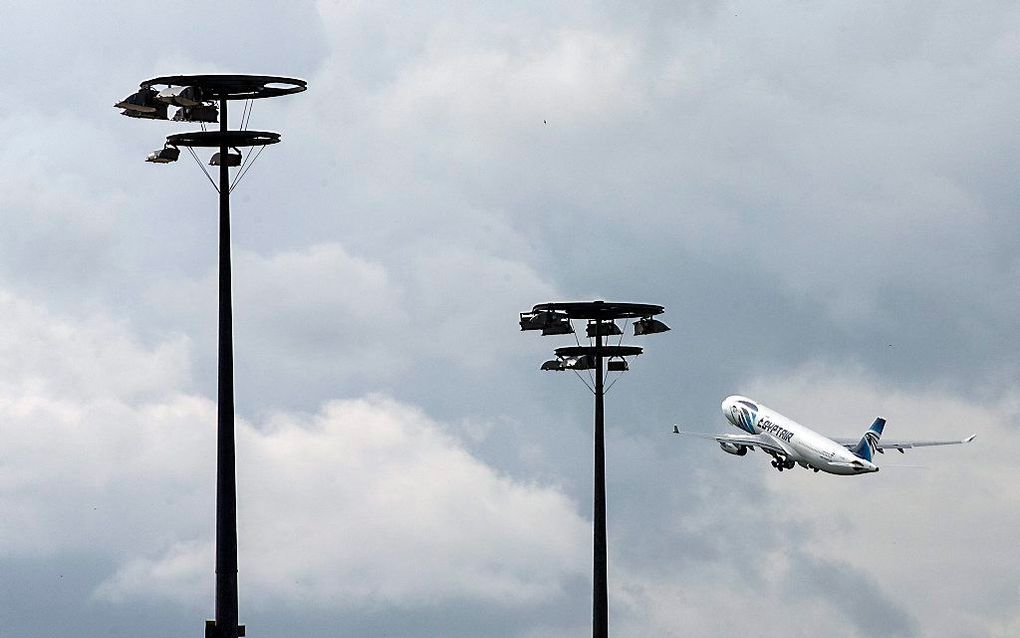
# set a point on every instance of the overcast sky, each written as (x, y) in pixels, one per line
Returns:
(823, 195)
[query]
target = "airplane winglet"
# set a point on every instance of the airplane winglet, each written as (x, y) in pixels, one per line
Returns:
(969, 438)
(676, 429)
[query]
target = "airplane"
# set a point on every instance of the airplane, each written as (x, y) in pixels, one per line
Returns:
(790, 443)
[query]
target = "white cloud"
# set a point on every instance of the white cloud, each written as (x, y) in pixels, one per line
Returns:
(93, 357)
(323, 318)
(88, 416)
(368, 502)
(61, 224)
(499, 82)
(715, 608)
(365, 502)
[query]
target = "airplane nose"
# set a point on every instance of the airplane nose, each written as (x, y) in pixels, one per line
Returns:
(728, 411)
(728, 403)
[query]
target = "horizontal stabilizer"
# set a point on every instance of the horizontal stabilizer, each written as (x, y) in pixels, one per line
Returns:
(901, 445)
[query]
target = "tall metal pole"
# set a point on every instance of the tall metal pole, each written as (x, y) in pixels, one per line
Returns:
(147, 103)
(226, 481)
(600, 594)
(555, 318)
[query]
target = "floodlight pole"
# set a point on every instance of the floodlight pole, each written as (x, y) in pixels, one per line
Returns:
(148, 105)
(549, 318)
(226, 478)
(600, 593)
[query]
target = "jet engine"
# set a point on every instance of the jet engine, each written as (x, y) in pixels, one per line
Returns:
(733, 448)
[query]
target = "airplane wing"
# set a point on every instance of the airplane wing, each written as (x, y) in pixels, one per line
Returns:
(893, 444)
(763, 441)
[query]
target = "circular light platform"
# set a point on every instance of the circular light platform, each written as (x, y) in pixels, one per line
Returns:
(607, 351)
(233, 87)
(213, 139)
(604, 310)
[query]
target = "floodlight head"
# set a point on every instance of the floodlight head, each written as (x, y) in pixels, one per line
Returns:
(539, 320)
(201, 113)
(181, 96)
(532, 321)
(604, 329)
(617, 365)
(554, 364)
(164, 155)
(559, 326)
(147, 115)
(649, 326)
(584, 362)
(143, 104)
(142, 101)
(232, 159)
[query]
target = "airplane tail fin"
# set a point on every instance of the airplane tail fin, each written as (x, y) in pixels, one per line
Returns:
(866, 448)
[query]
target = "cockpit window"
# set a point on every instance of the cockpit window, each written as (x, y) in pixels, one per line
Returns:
(748, 404)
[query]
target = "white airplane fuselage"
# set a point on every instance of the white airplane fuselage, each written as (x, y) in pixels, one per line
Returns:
(801, 444)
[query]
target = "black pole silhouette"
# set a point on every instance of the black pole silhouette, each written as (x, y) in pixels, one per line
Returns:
(555, 319)
(226, 479)
(198, 97)
(600, 593)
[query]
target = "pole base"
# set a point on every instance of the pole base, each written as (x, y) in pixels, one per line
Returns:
(212, 631)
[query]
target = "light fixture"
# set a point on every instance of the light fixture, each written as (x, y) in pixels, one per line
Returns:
(143, 104)
(617, 365)
(649, 326)
(142, 101)
(558, 326)
(200, 113)
(156, 115)
(603, 329)
(538, 320)
(584, 362)
(533, 321)
(164, 155)
(554, 364)
(181, 96)
(233, 159)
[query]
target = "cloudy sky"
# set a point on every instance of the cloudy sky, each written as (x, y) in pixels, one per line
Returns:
(823, 195)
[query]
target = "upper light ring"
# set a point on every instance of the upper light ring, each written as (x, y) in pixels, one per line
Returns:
(233, 87)
(600, 310)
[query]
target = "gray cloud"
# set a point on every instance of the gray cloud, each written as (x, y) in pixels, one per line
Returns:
(826, 186)
(852, 594)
